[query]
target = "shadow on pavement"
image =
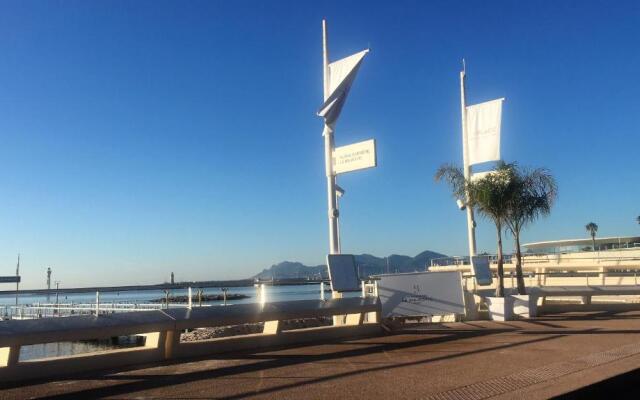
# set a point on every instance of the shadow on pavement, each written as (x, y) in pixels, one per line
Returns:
(623, 386)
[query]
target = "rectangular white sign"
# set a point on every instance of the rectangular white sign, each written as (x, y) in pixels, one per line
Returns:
(354, 156)
(421, 294)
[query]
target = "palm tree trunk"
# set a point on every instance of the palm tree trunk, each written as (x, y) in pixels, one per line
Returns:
(500, 287)
(593, 240)
(519, 274)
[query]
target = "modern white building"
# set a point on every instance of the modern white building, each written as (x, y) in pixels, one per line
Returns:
(584, 245)
(615, 261)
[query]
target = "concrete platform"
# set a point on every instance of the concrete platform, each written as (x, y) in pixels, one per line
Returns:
(549, 356)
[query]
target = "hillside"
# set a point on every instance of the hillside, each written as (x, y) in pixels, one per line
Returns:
(367, 265)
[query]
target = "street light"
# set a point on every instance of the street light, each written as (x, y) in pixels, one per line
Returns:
(338, 77)
(57, 304)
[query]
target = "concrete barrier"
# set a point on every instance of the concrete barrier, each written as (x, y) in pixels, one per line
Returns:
(162, 329)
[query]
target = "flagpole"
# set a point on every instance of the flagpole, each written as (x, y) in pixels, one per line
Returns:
(332, 205)
(471, 225)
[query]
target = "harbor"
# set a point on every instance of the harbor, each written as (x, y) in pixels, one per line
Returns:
(41, 305)
(287, 200)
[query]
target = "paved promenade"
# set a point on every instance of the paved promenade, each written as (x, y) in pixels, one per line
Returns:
(541, 358)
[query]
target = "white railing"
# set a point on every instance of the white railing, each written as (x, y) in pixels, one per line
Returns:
(604, 256)
(554, 278)
(49, 310)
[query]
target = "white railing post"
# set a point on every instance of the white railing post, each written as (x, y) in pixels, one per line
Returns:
(189, 298)
(97, 303)
(322, 291)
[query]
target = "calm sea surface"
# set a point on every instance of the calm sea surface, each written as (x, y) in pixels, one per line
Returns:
(274, 293)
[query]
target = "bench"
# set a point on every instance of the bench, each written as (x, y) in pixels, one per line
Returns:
(586, 292)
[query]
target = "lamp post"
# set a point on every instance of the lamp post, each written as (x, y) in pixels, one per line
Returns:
(48, 284)
(17, 278)
(337, 80)
(471, 225)
(57, 304)
(327, 132)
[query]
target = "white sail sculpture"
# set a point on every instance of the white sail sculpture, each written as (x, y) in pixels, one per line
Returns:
(341, 73)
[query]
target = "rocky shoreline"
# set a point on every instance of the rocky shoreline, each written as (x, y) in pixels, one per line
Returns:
(247, 329)
(204, 297)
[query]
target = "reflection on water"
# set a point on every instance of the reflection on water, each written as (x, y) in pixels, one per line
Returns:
(274, 293)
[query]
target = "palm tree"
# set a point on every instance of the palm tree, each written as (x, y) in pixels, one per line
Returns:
(592, 228)
(489, 196)
(533, 194)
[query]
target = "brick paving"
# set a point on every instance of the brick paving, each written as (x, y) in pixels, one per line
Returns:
(541, 358)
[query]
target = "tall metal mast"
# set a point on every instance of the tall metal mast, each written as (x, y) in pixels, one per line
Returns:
(332, 204)
(471, 225)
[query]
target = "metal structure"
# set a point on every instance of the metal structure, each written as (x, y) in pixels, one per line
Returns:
(48, 283)
(337, 78)
(13, 279)
(471, 223)
(17, 278)
(480, 144)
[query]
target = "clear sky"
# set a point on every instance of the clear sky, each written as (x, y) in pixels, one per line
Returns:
(139, 138)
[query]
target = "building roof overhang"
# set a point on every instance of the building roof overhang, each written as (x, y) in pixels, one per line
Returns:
(582, 242)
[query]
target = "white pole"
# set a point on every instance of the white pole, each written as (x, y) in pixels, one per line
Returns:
(322, 291)
(17, 277)
(97, 303)
(471, 228)
(189, 298)
(338, 224)
(328, 155)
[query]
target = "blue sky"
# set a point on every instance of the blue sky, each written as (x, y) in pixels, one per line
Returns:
(139, 138)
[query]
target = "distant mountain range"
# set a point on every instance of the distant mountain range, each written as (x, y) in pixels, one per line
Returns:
(367, 265)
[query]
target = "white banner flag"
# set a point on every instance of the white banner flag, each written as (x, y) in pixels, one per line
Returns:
(341, 76)
(483, 131)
